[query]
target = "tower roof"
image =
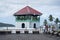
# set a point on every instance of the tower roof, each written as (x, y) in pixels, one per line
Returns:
(27, 11)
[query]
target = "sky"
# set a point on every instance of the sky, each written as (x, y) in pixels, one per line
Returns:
(47, 7)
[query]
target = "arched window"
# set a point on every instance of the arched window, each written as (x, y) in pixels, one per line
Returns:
(23, 25)
(34, 25)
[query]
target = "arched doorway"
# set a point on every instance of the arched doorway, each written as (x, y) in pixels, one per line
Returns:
(34, 25)
(23, 25)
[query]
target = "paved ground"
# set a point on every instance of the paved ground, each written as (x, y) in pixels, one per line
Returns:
(28, 37)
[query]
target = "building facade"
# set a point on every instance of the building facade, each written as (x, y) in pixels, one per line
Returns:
(27, 21)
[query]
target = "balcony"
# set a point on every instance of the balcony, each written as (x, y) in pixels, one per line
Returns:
(27, 18)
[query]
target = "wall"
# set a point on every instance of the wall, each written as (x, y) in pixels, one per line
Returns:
(32, 24)
(19, 25)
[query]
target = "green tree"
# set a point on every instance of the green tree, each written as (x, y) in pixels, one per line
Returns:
(45, 22)
(50, 18)
(56, 20)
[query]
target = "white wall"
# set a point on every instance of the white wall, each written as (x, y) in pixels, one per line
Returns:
(19, 24)
(32, 24)
(27, 24)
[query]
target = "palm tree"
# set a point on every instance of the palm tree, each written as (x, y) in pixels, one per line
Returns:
(50, 19)
(56, 20)
(45, 22)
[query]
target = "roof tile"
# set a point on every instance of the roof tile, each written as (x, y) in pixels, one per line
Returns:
(28, 10)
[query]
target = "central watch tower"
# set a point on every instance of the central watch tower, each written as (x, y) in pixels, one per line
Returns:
(27, 18)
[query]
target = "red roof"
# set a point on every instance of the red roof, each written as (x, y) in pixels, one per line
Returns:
(27, 10)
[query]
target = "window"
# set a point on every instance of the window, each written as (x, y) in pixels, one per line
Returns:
(18, 18)
(34, 25)
(23, 25)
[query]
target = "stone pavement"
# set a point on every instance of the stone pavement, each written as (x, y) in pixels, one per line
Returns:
(28, 37)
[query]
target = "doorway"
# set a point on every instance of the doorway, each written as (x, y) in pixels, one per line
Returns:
(34, 25)
(23, 25)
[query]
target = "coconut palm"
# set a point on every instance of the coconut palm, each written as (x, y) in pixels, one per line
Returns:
(51, 20)
(45, 22)
(56, 20)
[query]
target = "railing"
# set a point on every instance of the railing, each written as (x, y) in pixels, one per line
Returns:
(21, 29)
(27, 18)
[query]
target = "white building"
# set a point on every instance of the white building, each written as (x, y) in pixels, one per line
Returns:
(27, 21)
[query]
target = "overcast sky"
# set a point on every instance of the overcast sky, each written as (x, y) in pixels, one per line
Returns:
(9, 7)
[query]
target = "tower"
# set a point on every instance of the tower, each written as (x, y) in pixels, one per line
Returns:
(27, 18)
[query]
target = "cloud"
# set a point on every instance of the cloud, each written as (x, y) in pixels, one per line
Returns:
(8, 7)
(47, 7)
(56, 2)
(32, 2)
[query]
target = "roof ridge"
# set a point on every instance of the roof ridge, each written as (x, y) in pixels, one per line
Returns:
(28, 9)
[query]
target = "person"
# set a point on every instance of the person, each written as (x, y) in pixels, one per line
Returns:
(46, 28)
